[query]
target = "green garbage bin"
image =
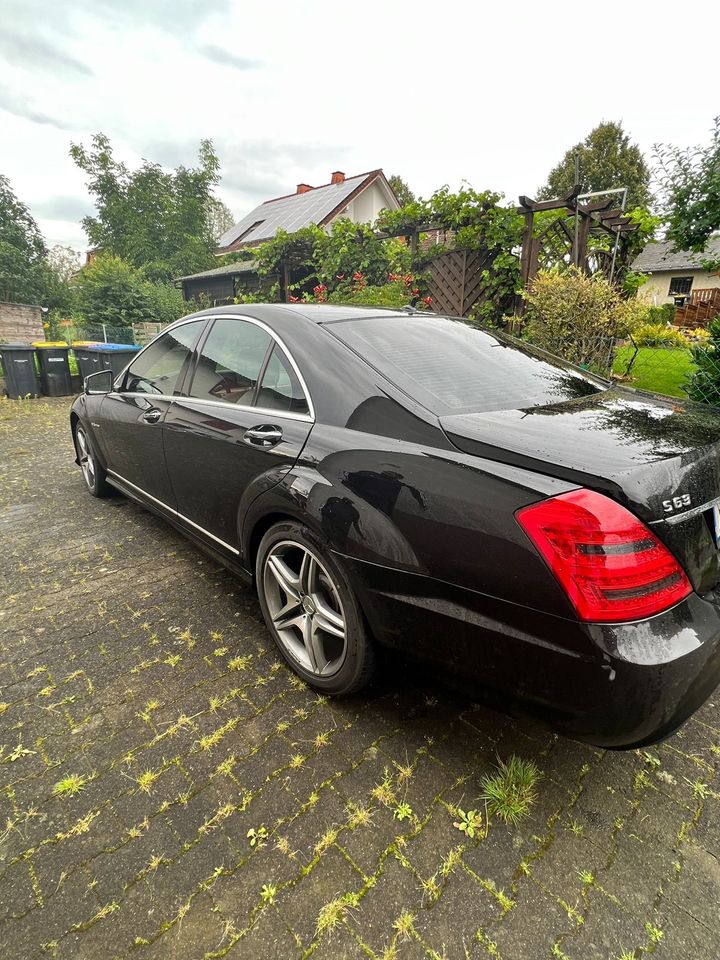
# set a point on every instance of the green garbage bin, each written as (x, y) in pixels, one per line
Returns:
(54, 368)
(18, 361)
(113, 356)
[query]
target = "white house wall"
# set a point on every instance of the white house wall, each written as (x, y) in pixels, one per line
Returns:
(366, 207)
(655, 290)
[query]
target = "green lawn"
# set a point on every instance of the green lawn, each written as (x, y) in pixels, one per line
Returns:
(656, 369)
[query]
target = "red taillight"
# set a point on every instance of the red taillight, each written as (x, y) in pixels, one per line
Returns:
(611, 566)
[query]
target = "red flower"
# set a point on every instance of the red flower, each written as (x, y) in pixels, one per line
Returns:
(294, 299)
(416, 291)
(320, 292)
(409, 279)
(427, 301)
(358, 276)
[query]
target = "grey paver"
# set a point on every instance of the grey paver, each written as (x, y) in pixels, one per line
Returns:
(131, 661)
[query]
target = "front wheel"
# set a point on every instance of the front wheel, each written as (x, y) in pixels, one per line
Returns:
(93, 473)
(311, 611)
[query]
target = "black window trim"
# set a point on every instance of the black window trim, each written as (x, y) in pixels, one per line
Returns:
(187, 363)
(680, 293)
(308, 417)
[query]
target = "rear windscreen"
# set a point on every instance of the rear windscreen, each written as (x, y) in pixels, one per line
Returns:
(451, 367)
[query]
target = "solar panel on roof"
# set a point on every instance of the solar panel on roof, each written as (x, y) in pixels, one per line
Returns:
(290, 213)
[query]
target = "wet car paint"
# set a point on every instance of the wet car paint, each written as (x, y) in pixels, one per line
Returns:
(427, 533)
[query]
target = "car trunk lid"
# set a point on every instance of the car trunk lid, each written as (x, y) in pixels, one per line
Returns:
(657, 456)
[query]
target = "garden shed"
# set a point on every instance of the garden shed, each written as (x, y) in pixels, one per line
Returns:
(222, 284)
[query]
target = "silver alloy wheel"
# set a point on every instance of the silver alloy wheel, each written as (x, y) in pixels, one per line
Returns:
(305, 608)
(85, 456)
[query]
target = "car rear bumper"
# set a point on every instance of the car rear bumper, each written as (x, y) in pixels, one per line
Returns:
(613, 685)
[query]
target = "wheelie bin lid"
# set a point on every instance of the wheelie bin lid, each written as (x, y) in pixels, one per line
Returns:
(16, 346)
(83, 343)
(51, 345)
(108, 347)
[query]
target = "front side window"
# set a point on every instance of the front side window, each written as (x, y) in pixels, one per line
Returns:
(230, 362)
(280, 388)
(161, 367)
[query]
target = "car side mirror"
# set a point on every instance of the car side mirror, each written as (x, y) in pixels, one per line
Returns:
(100, 382)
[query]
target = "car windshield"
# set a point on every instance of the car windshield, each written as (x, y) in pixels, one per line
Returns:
(451, 367)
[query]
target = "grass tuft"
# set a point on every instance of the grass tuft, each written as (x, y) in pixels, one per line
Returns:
(510, 792)
(69, 786)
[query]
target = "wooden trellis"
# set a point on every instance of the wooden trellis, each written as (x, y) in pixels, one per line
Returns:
(569, 240)
(456, 280)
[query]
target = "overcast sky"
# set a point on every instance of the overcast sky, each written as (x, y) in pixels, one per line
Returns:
(493, 93)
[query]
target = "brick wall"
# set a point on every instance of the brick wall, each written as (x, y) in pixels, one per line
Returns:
(20, 323)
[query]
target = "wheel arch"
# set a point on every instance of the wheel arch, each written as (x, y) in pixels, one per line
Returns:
(260, 526)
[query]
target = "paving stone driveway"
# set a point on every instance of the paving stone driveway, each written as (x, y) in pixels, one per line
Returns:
(168, 789)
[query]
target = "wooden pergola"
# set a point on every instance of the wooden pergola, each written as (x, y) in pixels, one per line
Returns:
(597, 217)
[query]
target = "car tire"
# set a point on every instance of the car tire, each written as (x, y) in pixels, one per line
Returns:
(307, 602)
(93, 473)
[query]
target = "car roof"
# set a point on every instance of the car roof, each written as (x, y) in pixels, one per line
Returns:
(315, 312)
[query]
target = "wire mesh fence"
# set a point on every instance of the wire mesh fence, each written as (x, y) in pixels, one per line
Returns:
(687, 367)
(95, 333)
(138, 333)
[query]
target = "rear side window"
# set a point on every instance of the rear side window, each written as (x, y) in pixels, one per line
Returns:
(280, 388)
(451, 367)
(160, 367)
(230, 362)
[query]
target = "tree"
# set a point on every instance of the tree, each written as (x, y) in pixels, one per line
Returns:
(153, 219)
(219, 218)
(690, 181)
(22, 250)
(113, 292)
(607, 160)
(401, 190)
(61, 267)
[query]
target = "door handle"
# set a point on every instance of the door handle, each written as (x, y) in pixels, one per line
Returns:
(152, 416)
(265, 435)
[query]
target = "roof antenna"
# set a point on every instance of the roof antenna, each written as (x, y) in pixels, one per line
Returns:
(408, 308)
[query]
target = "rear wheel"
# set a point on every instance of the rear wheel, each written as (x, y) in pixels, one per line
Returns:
(93, 473)
(311, 610)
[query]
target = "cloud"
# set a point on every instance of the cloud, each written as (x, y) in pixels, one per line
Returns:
(226, 58)
(63, 207)
(20, 106)
(28, 49)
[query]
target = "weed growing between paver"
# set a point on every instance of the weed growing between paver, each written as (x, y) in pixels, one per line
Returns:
(169, 789)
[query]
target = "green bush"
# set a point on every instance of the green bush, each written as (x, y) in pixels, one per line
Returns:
(166, 302)
(111, 291)
(395, 294)
(658, 335)
(578, 317)
(663, 314)
(704, 384)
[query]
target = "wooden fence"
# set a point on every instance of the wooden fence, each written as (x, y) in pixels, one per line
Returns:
(703, 306)
(456, 280)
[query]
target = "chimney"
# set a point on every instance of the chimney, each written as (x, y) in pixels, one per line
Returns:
(303, 188)
(337, 177)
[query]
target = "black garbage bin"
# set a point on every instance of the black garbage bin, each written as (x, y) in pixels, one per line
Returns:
(54, 368)
(21, 379)
(87, 362)
(113, 356)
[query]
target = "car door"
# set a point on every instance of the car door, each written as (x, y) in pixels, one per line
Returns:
(131, 419)
(245, 412)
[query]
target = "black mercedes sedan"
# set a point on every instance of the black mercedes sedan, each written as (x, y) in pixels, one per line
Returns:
(406, 479)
